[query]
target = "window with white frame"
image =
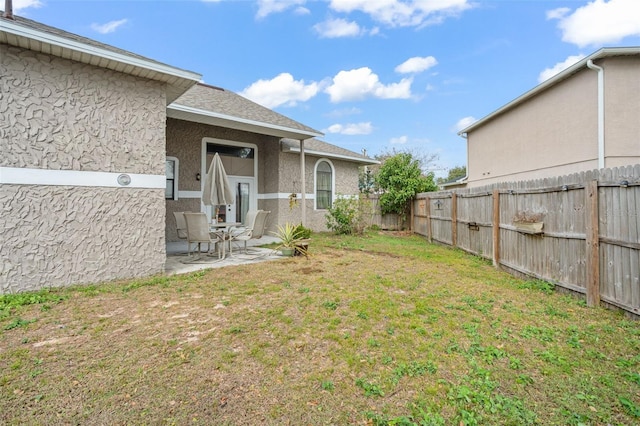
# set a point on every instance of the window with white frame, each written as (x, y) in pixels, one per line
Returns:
(324, 184)
(171, 173)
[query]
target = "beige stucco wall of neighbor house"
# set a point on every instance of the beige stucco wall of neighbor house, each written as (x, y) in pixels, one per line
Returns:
(622, 110)
(57, 114)
(552, 134)
(556, 132)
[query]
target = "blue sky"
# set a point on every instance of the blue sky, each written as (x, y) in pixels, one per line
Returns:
(370, 74)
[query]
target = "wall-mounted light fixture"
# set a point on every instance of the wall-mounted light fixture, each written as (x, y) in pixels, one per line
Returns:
(438, 204)
(124, 179)
(624, 184)
(565, 188)
(197, 176)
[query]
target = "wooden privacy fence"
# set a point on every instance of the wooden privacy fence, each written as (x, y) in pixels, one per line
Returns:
(590, 236)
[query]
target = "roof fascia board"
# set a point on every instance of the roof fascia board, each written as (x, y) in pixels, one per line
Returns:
(257, 125)
(65, 43)
(332, 155)
(601, 53)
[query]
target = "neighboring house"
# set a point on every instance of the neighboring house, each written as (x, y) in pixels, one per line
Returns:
(86, 132)
(584, 118)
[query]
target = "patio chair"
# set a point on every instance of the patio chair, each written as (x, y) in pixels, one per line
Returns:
(181, 226)
(198, 232)
(254, 229)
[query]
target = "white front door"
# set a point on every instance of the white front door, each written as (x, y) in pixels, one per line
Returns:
(245, 198)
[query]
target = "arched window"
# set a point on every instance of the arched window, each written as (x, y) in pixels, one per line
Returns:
(324, 185)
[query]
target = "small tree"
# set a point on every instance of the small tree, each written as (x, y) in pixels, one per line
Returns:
(400, 178)
(454, 173)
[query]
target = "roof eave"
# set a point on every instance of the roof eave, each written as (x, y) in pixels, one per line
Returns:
(178, 80)
(601, 53)
(182, 112)
(331, 155)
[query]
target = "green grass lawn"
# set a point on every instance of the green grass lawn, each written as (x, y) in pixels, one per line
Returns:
(375, 330)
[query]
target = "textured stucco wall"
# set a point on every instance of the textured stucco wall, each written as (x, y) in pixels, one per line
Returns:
(278, 173)
(184, 141)
(346, 183)
(59, 235)
(61, 115)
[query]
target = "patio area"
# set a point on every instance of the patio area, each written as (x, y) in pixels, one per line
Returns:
(179, 263)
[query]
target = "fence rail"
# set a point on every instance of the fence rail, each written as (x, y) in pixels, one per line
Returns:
(589, 241)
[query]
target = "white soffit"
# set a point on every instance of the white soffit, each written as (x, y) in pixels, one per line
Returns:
(178, 80)
(182, 112)
(332, 155)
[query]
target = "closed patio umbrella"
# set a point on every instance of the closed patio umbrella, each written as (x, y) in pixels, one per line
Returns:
(217, 190)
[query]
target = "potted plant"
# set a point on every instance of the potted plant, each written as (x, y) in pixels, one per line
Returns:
(529, 222)
(304, 237)
(288, 235)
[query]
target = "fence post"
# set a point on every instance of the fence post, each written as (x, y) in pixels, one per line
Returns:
(496, 228)
(413, 202)
(428, 213)
(593, 244)
(454, 219)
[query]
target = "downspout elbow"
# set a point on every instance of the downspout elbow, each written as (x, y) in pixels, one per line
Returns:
(600, 71)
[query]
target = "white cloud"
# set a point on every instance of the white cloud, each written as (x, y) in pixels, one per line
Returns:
(109, 27)
(399, 140)
(335, 28)
(560, 66)
(302, 11)
(416, 64)
(351, 128)
(399, 13)
(362, 83)
(558, 13)
(465, 122)
(19, 5)
(281, 90)
(599, 22)
(267, 7)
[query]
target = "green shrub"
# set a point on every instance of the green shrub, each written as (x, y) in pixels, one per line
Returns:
(349, 215)
(302, 232)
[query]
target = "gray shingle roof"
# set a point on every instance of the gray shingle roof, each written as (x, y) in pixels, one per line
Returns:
(38, 26)
(221, 101)
(35, 36)
(327, 149)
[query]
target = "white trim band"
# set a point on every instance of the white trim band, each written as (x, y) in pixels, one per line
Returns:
(24, 176)
(190, 194)
(283, 196)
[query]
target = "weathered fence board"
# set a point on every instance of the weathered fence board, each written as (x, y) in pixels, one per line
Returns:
(579, 242)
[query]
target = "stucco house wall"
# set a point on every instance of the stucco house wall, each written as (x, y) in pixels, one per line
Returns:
(345, 181)
(56, 114)
(278, 175)
(184, 142)
(555, 132)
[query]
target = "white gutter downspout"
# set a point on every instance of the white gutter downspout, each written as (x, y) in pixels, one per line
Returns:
(600, 70)
(303, 198)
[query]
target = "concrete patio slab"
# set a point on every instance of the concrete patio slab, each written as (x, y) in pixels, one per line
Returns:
(179, 263)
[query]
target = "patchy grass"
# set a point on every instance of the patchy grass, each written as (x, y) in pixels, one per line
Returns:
(379, 330)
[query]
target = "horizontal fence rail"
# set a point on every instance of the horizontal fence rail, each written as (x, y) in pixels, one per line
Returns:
(580, 232)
